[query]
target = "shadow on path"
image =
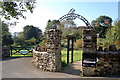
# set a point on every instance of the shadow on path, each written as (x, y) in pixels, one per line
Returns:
(73, 68)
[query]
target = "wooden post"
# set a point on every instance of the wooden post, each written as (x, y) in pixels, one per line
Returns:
(68, 51)
(11, 50)
(70, 47)
(72, 51)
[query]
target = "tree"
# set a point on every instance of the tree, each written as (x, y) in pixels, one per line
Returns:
(6, 36)
(15, 9)
(31, 41)
(113, 34)
(30, 35)
(101, 24)
(102, 20)
(19, 39)
(30, 31)
(78, 44)
(69, 27)
(66, 23)
(50, 24)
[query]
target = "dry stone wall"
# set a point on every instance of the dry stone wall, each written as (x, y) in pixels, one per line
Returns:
(51, 59)
(107, 60)
(108, 63)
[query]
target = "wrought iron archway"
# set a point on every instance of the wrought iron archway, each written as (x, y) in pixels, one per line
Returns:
(72, 16)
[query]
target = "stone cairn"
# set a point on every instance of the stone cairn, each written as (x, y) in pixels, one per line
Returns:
(50, 60)
(107, 59)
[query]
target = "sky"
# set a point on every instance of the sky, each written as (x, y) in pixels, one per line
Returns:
(55, 9)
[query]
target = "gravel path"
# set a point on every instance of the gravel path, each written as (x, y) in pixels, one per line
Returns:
(23, 68)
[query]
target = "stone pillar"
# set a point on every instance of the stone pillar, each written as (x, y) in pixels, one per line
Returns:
(89, 51)
(53, 46)
(6, 51)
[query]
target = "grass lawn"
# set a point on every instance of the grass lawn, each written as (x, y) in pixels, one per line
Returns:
(19, 55)
(77, 55)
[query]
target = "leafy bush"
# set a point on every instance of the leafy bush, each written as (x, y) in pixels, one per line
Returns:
(31, 41)
(64, 43)
(78, 44)
(42, 43)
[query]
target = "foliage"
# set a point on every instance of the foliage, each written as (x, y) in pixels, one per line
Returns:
(15, 9)
(6, 36)
(43, 43)
(101, 24)
(64, 43)
(31, 41)
(102, 20)
(78, 44)
(66, 24)
(113, 34)
(68, 27)
(112, 37)
(101, 30)
(50, 24)
(72, 31)
(102, 42)
(31, 35)
(19, 39)
(30, 31)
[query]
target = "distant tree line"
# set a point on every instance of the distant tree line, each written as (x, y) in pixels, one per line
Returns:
(30, 36)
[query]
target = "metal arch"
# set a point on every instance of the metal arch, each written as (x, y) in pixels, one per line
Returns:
(72, 16)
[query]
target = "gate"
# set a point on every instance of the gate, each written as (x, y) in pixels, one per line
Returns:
(21, 51)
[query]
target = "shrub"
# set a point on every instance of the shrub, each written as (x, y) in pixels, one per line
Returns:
(78, 44)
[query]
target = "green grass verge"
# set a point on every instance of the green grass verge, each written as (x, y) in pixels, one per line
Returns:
(18, 55)
(77, 56)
